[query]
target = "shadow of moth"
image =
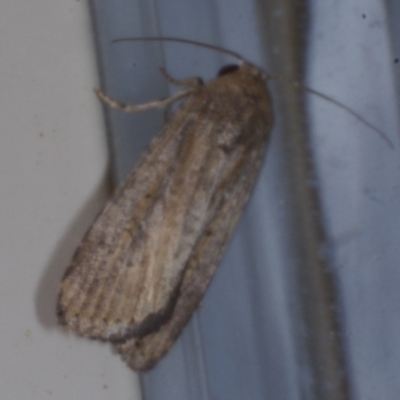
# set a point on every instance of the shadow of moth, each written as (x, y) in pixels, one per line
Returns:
(144, 265)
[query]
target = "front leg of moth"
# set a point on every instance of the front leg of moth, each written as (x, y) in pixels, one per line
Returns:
(191, 85)
(188, 83)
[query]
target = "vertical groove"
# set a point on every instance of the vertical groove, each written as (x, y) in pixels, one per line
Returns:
(318, 340)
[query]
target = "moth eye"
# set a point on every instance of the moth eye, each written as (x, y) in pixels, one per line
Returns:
(228, 69)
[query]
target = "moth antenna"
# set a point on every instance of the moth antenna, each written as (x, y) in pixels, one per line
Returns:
(268, 76)
(337, 103)
(186, 41)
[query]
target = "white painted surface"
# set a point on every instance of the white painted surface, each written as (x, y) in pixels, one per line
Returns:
(53, 163)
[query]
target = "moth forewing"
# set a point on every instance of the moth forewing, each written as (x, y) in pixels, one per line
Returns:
(141, 354)
(146, 262)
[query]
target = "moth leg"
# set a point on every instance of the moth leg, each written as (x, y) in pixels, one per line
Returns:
(190, 83)
(194, 83)
(160, 103)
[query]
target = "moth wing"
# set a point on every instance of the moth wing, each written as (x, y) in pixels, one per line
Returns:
(123, 277)
(227, 200)
(131, 273)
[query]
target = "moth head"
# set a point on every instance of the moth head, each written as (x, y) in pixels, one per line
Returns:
(228, 69)
(248, 68)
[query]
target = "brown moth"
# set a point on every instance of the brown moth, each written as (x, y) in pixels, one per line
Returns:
(144, 265)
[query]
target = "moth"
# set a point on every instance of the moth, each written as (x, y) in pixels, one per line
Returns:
(144, 265)
(146, 262)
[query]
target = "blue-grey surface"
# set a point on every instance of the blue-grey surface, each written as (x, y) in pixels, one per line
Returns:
(353, 60)
(241, 343)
